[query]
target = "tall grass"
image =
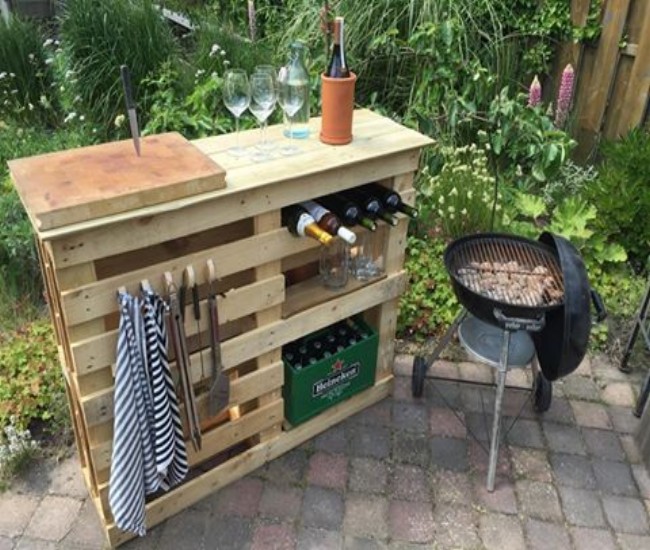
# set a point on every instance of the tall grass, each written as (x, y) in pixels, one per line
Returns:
(101, 35)
(26, 79)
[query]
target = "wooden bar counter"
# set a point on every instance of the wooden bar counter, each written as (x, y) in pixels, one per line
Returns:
(102, 229)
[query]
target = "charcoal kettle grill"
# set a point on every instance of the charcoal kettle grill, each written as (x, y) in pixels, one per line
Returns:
(520, 286)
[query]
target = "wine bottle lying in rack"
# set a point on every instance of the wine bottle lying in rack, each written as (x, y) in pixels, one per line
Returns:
(369, 204)
(328, 221)
(299, 222)
(347, 211)
(391, 200)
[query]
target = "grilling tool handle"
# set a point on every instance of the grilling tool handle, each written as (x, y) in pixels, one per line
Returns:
(599, 305)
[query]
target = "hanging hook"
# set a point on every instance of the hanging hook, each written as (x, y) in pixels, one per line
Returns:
(145, 286)
(121, 291)
(169, 282)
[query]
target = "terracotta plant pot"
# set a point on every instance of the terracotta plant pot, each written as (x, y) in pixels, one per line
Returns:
(337, 97)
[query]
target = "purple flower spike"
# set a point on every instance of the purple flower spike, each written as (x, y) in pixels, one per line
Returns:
(535, 93)
(564, 96)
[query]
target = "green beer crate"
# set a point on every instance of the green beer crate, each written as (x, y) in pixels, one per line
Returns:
(314, 388)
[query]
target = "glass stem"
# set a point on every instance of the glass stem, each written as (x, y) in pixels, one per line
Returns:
(237, 131)
(264, 134)
(290, 118)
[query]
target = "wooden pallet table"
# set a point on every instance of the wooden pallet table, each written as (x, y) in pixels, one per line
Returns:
(91, 243)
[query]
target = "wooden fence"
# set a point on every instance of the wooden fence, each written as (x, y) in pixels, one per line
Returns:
(612, 76)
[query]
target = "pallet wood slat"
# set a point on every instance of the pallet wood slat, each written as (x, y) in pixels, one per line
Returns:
(239, 229)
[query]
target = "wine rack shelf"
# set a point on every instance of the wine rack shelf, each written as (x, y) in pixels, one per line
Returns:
(238, 228)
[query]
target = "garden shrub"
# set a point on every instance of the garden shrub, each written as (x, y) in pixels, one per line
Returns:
(621, 193)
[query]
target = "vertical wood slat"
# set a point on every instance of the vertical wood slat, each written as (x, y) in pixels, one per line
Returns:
(591, 117)
(636, 97)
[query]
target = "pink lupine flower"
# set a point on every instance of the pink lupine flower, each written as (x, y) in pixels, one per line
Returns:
(564, 96)
(252, 19)
(535, 93)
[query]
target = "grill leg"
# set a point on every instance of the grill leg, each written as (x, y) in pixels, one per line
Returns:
(495, 439)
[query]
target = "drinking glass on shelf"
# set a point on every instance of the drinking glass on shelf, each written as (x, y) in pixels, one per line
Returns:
(236, 98)
(262, 103)
(270, 70)
(291, 96)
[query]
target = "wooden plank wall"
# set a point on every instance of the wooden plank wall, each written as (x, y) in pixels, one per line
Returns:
(612, 75)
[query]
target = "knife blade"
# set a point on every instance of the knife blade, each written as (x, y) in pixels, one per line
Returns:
(130, 107)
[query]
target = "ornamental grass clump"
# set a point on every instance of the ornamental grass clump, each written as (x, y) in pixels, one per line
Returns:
(459, 200)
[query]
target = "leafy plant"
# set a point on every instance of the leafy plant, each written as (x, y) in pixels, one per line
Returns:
(31, 382)
(99, 36)
(429, 304)
(621, 193)
(26, 77)
(17, 449)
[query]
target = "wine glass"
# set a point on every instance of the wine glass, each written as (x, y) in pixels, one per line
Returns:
(291, 96)
(267, 69)
(263, 99)
(236, 98)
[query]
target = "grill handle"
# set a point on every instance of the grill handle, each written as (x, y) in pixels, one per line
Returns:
(518, 323)
(599, 305)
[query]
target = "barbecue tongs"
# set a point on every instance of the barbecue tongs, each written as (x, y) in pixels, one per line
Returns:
(219, 395)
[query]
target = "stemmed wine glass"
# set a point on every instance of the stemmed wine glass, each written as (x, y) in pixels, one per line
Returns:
(263, 99)
(270, 70)
(291, 96)
(236, 98)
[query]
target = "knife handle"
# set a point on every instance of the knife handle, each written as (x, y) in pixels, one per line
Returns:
(128, 88)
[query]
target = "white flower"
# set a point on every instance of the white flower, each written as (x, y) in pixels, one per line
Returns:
(198, 73)
(31, 56)
(30, 106)
(441, 199)
(70, 116)
(470, 194)
(69, 73)
(451, 209)
(119, 120)
(453, 192)
(82, 118)
(222, 53)
(49, 61)
(226, 62)
(451, 216)
(2, 75)
(464, 211)
(48, 42)
(441, 213)
(12, 75)
(214, 50)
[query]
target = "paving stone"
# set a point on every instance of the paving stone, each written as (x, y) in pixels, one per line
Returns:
(479, 458)
(642, 478)
(403, 365)
(584, 368)
(619, 394)
(543, 535)
(327, 470)
(519, 378)
(633, 542)
(358, 543)
(67, 479)
(631, 449)
(53, 518)
(560, 412)
(501, 532)
(322, 508)
(479, 425)
(573, 471)
(25, 543)
(563, 438)
(410, 417)
(456, 527)
(531, 464)
(368, 475)
(518, 403)
(451, 487)
(449, 453)
(378, 414)
(403, 390)
(150, 542)
(615, 478)
(412, 448)
(233, 533)
(410, 483)
(476, 372)
(290, 468)
(279, 536)
(539, 500)
(87, 530)
(445, 422)
(334, 440)
(411, 521)
(592, 539)
(604, 444)
(625, 514)
(184, 527)
(591, 415)
(319, 539)
(580, 387)
(366, 516)
(280, 501)
(602, 368)
(441, 393)
(623, 419)
(502, 499)
(476, 399)
(582, 507)
(241, 498)
(444, 369)
(15, 512)
(523, 433)
(7, 543)
(373, 443)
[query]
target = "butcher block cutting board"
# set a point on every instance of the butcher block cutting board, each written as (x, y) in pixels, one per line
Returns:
(59, 189)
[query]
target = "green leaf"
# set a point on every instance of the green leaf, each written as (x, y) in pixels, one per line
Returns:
(529, 205)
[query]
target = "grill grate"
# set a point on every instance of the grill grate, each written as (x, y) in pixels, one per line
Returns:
(510, 271)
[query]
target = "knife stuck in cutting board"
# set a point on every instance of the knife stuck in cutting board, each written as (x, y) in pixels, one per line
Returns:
(130, 107)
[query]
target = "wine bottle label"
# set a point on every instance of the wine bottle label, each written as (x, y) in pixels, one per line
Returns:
(315, 210)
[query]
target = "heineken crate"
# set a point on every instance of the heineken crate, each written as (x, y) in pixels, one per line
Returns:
(312, 389)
